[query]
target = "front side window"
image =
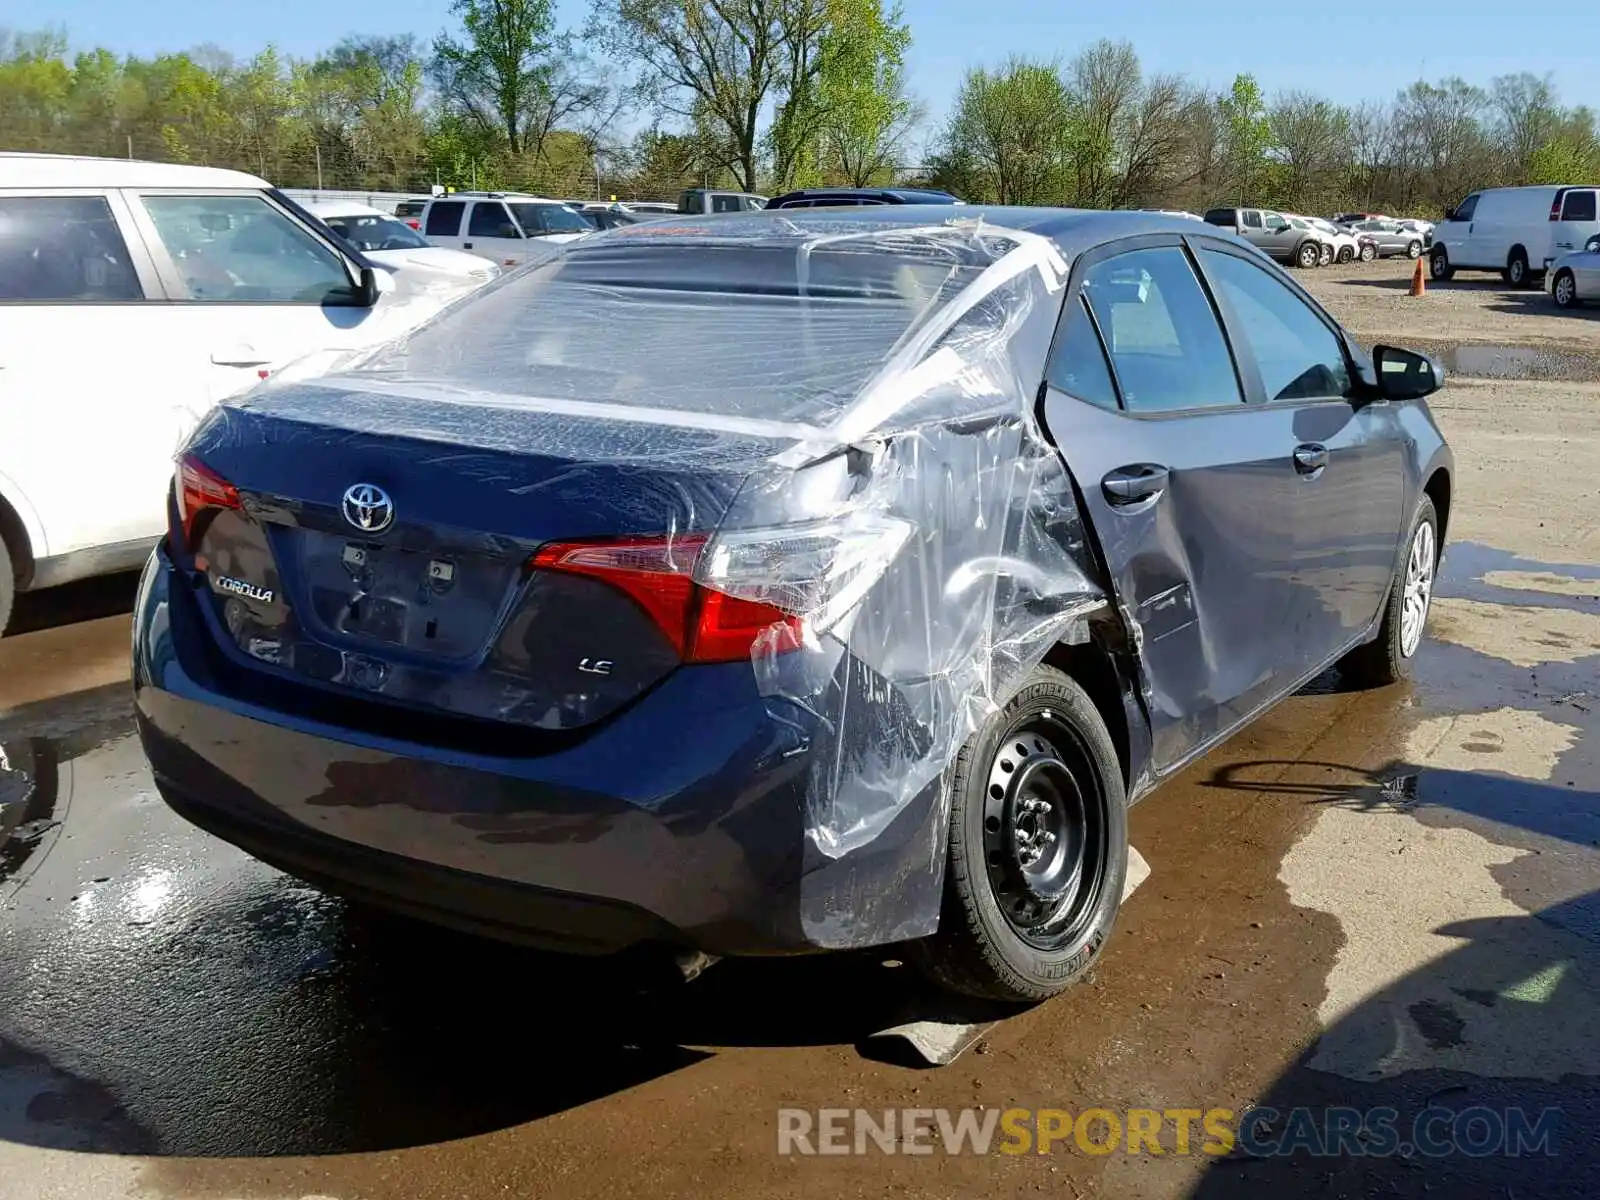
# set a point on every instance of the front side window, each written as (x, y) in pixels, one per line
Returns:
(1162, 332)
(1300, 358)
(490, 220)
(242, 250)
(373, 232)
(63, 248)
(1275, 223)
(444, 218)
(1578, 206)
(1465, 209)
(1252, 219)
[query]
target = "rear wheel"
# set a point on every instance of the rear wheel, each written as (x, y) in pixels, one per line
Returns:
(1346, 254)
(1368, 252)
(1516, 272)
(8, 587)
(1439, 265)
(1038, 848)
(1565, 290)
(1309, 255)
(1388, 658)
(1327, 256)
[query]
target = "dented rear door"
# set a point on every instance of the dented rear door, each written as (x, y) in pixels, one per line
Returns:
(1187, 489)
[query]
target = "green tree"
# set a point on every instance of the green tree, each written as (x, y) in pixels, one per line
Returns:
(867, 112)
(497, 72)
(1247, 134)
(1013, 130)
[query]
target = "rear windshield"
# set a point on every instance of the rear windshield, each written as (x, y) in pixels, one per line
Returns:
(772, 331)
(1221, 216)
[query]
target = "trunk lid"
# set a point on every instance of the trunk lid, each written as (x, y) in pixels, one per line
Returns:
(397, 564)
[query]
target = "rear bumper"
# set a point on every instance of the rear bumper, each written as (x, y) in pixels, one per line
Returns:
(682, 820)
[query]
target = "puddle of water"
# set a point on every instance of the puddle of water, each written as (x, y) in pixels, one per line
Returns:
(1510, 362)
(1475, 572)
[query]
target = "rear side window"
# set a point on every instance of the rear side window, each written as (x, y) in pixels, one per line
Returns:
(1253, 219)
(241, 250)
(63, 248)
(1221, 216)
(1078, 367)
(1299, 357)
(727, 204)
(444, 218)
(1578, 206)
(490, 220)
(1162, 332)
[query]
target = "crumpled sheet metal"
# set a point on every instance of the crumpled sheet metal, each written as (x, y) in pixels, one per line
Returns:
(884, 393)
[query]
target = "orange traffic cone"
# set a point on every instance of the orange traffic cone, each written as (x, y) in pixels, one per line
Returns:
(1417, 286)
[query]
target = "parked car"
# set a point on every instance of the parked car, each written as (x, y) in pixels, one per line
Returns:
(1350, 218)
(133, 297)
(1175, 212)
(1575, 276)
(791, 637)
(1390, 237)
(612, 218)
(1273, 234)
(1516, 231)
(647, 207)
(1425, 228)
(391, 244)
(710, 200)
(410, 211)
(844, 197)
(1347, 246)
(504, 227)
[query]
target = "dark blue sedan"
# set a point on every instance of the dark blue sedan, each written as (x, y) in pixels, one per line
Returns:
(770, 583)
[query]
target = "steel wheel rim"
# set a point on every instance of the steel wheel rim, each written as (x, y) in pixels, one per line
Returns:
(1418, 589)
(1044, 832)
(1564, 289)
(1516, 270)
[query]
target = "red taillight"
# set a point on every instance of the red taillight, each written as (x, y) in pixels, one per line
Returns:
(200, 489)
(658, 574)
(417, 225)
(1555, 207)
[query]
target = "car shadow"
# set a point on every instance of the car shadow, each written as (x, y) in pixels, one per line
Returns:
(1403, 283)
(72, 603)
(1478, 1073)
(1541, 303)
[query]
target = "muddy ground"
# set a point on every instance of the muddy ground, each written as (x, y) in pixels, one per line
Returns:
(1365, 900)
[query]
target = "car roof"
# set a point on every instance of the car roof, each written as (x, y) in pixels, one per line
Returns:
(1073, 230)
(345, 208)
(519, 197)
(22, 170)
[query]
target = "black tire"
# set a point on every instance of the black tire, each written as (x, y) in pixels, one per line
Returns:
(1308, 255)
(1345, 254)
(1368, 252)
(8, 587)
(1439, 266)
(1413, 249)
(1564, 290)
(1056, 919)
(1386, 659)
(1327, 256)
(1516, 272)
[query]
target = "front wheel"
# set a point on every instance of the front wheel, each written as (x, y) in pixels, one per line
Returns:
(1389, 657)
(1309, 255)
(1439, 266)
(1038, 848)
(1327, 256)
(1413, 249)
(1565, 290)
(1345, 254)
(1368, 252)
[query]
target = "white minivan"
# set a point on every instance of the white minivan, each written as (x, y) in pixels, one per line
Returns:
(1517, 231)
(133, 297)
(500, 226)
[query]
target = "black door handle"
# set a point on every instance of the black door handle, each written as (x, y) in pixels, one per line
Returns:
(466, 245)
(1310, 458)
(1129, 485)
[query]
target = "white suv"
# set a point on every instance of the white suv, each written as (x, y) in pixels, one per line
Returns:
(133, 297)
(500, 226)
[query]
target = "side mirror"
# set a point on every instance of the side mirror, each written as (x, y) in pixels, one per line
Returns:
(1405, 374)
(374, 283)
(1449, 214)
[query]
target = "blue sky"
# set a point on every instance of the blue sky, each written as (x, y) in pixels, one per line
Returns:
(1384, 46)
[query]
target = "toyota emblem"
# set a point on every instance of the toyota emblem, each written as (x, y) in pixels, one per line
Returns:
(368, 507)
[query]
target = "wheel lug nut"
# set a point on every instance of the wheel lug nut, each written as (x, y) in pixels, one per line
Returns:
(1047, 837)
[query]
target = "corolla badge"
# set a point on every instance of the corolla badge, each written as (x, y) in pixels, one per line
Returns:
(368, 507)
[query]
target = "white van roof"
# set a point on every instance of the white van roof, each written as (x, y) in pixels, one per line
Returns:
(24, 170)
